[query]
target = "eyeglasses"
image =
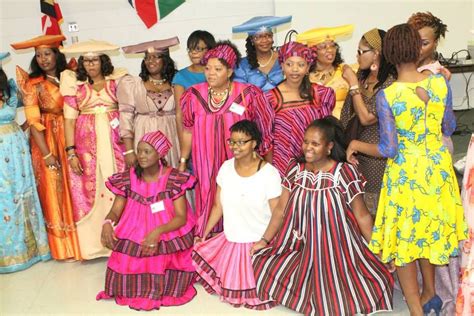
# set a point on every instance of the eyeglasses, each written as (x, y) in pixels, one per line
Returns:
(153, 57)
(91, 61)
(197, 49)
(326, 46)
(363, 51)
(239, 143)
(263, 36)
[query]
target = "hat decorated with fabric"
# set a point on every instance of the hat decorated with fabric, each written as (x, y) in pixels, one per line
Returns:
(320, 35)
(158, 141)
(4, 55)
(223, 51)
(373, 38)
(48, 41)
(261, 24)
(291, 49)
(89, 48)
(158, 46)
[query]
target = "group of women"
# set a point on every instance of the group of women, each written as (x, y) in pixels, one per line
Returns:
(240, 170)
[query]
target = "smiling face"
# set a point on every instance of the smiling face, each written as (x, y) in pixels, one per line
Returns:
(46, 59)
(326, 52)
(263, 42)
(295, 68)
(315, 146)
(147, 155)
(153, 63)
(217, 74)
(429, 43)
(241, 144)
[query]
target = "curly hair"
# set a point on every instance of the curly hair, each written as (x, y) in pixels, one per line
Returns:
(420, 20)
(338, 58)
(248, 128)
(61, 64)
(167, 72)
(106, 68)
(4, 86)
(251, 53)
(402, 45)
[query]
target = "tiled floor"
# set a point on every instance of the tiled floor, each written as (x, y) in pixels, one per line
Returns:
(58, 288)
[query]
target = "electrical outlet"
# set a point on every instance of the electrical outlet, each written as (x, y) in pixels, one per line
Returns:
(73, 27)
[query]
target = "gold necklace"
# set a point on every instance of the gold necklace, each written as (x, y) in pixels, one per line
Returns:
(267, 62)
(218, 94)
(157, 82)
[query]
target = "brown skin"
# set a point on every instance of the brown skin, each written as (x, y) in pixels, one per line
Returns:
(429, 43)
(326, 54)
(263, 43)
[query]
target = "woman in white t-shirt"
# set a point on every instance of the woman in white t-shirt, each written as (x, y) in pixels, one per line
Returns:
(248, 189)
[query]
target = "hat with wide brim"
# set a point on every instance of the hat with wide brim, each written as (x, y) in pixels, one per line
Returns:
(40, 41)
(261, 24)
(90, 47)
(157, 46)
(320, 35)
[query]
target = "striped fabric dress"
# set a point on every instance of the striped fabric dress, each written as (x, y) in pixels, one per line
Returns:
(291, 120)
(319, 263)
(210, 128)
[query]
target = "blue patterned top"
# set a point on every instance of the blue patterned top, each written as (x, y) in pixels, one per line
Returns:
(187, 78)
(8, 111)
(266, 82)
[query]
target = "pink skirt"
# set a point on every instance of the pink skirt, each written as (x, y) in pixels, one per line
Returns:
(225, 268)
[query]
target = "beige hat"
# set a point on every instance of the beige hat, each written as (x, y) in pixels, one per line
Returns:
(89, 48)
(158, 46)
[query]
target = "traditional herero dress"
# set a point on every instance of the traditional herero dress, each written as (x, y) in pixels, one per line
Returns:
(23, 240)
(291, 120)
(44, 112)
(319, 263)
(99, 149)
(143, 111)
(420, 214)
(167, 276)
(223, 262)
(244, 73)
(210, 129)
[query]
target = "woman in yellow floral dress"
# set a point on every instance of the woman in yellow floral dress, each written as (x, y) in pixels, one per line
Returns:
(420, 217)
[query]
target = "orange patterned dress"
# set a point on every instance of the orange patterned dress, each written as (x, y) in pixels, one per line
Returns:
(44, 111)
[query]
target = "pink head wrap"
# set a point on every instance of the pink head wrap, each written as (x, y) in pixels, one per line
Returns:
(158, 141)
(291, 49)
(223, 51)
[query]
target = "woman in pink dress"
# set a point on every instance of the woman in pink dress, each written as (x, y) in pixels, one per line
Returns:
(150, 265)
(209, 110)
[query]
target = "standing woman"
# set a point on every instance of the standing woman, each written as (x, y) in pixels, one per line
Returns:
(359, 114)
(44, 113)
(261, 67)
(296, 102)
(146, 103)
(419, 218)
(23, 240)
(329, 62)
(92, 139)
(209, 110)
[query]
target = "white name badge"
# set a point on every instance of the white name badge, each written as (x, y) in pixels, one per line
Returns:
(237, 108)
(157, 207)
(115, 123)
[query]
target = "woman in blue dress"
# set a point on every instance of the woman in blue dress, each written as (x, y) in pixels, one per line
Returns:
(23, 239)
(261, 67)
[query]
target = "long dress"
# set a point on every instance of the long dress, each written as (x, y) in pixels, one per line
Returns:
(319, 263)
(223, 262)
(465, 298)
(291, 120)
(210, 129)
(244, 73)
(23, 239)
(166, 277)
(99, 149)
(143, 111)
(420, 214)
(44, 112)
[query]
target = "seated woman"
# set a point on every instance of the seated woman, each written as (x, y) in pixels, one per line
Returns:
(247, 191)
(317, 261)
(150, 265)
(261, 67)
(329, 62)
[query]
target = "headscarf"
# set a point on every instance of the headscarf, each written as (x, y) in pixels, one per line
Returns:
(373, 38)
(223, 51)
(291, 49)
(158, 141)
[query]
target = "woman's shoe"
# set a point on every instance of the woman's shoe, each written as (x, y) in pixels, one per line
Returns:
(435, 303)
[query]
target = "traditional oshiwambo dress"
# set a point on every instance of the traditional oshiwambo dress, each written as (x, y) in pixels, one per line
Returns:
(99, 149)
(319, 263)
(223, 263)
(23, 239)
(166, 277)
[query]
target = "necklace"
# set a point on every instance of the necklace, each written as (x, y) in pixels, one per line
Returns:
(54, 78)
(157, 82)
(323, 76)
(215, 105)
(218, 94)
(369, 83)
(267, 62)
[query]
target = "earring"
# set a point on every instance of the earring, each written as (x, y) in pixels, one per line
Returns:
(329, 152)
(374, 67)
(254, 154)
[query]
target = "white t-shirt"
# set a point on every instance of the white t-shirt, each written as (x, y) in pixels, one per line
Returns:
(244, 200)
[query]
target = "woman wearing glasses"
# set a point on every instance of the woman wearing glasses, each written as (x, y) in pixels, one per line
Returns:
(93, 144)
(359, 113)
(248, 189)
(146, 103)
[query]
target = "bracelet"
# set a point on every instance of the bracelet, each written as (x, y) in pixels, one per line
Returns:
(182, 160)
(128, 152)
(68, 148)
(265, 240)
(71, 156)
(47, 156)
(354, 87)
(354, 92)
(108, 220)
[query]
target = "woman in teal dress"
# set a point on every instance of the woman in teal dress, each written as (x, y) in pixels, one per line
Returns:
(23, 239)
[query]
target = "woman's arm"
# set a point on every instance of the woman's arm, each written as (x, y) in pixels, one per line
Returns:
(108, 236)
(363, 217)
(178, 91)
(69, 131)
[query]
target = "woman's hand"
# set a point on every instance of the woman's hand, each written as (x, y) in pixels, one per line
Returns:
(75, 165)
(257, 246)
(182, 166)
(351, 152)
(52, 163)
(349, 75)
(150, 243)
(107, 237)
(130, 159)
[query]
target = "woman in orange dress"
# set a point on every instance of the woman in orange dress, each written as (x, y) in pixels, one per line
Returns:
(44, 113)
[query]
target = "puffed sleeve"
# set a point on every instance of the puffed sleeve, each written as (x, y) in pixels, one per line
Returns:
(387, 130)
(263, 116)
(186, 101)
(178, 183)
(126, 102)
(290, 174)
(351, 182)
(68, 88)
(449, 120)
(327, 98)
(240, 74)
(30, 99)
(119, 183)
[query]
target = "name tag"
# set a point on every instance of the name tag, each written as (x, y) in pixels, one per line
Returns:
(237, 108)
(157, 207)
(115, 123)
